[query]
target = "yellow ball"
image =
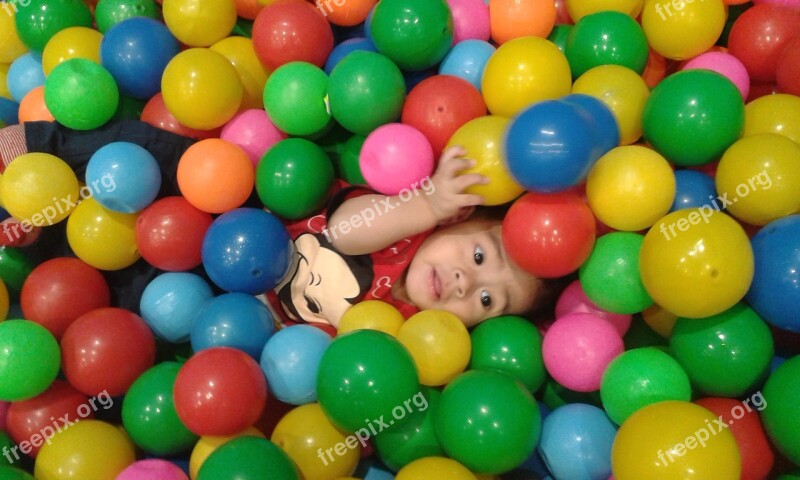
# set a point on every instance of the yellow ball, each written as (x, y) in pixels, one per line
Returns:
(434, 468)
(524, 71)
(372, 315)
(201, 88)
(304, 432)
(630, 188)
(439, 344)
(39, 188)
(483, 138)
(580, 8)
(102, 238)
(696, 262)
(778, 113)
(660, 320)
(4, 301)
(760, 174)
(239, 51)
(681, 29)
(11, 47)
(88, 450)
(199, 23)
(674, 440)
(4, 91)
(207, 444)
(72, 42)
(623, 91)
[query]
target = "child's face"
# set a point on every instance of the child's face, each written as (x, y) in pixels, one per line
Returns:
(463, 269)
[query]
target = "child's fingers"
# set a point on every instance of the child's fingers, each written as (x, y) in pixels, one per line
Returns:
(453, 152)
(469, 200)
(452, 166)
(462, 182)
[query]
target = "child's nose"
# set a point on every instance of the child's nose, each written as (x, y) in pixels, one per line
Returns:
(462, 283)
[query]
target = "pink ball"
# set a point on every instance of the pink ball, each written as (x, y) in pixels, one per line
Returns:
(725, 64)
(577, 349)
(470, 20)
(574, 300)
(152, 469)
(253, 131)
(394, 157)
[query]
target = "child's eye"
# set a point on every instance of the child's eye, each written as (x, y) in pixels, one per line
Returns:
(478, 255)
(486, 299)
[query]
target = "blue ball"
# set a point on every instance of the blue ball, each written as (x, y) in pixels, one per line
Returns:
(603, 119)
(576, 442)
(693, 189)
(123, 177)
(350, 45)
(291, 360)
(467, 60)
(9, 111)
(247, 250)
(775, 291)
(136, 51)
(170, 303)
(24, 74)
(234, 320)
(550, 146)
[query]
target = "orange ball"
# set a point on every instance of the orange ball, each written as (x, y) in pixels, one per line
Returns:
(32, 107)
(215, 175)
(345, 13)
(512, 19)
(655, 70)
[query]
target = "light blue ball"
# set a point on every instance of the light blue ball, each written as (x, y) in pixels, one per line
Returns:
(25, 74)
(235, 320)
(291, 361)
(170, 303)
(467, 60)
(123, 177)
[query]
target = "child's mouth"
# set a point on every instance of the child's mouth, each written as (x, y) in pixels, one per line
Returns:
(436, 285)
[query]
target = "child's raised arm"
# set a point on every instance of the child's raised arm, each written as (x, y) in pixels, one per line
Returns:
(356, 229)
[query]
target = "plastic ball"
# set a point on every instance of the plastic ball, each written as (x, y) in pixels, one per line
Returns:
(345, 48)
(396, 157)
(247, 250)
(24, 74)
(208, 444)
(366, 90)
(573, 299)
(433, 468)
(169, 234)
(415, 438)
(15, 266)
(346, 14)
(248, 458)
(606, 38)
(641, 377)
(683, 29)
(104, 239)
(693, 189)
(4, 301)
(414, 34)
(215, 176)
(580, 8)
(509, 344)
(725, 64)
(81, 94)
(482, 138)
(439, 344)
(576, 442)
(149, 416)
(652, 443)
(11, 47)
(712, 278)
(235, 320)
(39, 188)
(152, 468)
(87, 449)
(467, 60)
(522, 72)
(108, 13)
(780, 420)
(201, 88)
(254, 132)
(156, 113)
(511, 19)
(471, 20)
(758, 37)
(171, 302)
(693, 116)
(294, 98)
(777, 113)
(372, 315)
(133, 172)
(72, 42)
(294, 178)
(549, 235)
(787, 72)
(253, 75)
(291, 31)
(33, 109)
(291, 359)
(39, 20)
(60, 290)
(29, 359)
(488, 421)
(199, 23)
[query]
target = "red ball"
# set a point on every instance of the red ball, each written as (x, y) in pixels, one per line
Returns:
(48, 413)
(439, 105)
(105, 350)
(758, 36)
(788, 72)
(745, 425)
(169, 234)
(549, 235)
(291, 30)
(220, 391)
(60, 290)
(157, 114)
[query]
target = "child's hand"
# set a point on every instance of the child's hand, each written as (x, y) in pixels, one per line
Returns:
(448, 200)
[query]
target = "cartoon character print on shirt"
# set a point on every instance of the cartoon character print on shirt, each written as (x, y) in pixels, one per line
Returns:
(323, 283)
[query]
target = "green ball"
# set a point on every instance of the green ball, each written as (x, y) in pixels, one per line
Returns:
(15, 267)
(559, 36)
(294, 177)
(555, 395)
(81, 94)
(108, 13)
(149, 415)
(415, 34)
(512, 345)
(130, 108)
(9, 473)
(606, 38)
(488, 421)
(610, 276)
(641, 377)
(366, 90)
(38, 20)
(7, 445)
(348, 165)
(295, 98)
(29, 360)
(780, 417)
(641, 335)
(248, 458)
(725, 355)
(693, 116)
(363, 376)
(413, 439)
